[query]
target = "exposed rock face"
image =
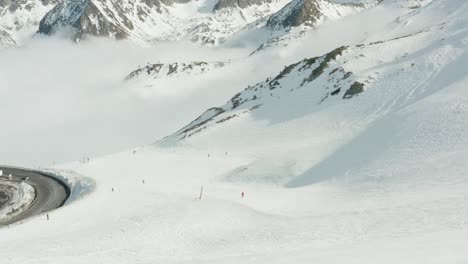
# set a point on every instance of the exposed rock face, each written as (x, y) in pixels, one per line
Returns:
(102, 18)
(6, 40)
(296, 13)
(238, 3)
(85, 17)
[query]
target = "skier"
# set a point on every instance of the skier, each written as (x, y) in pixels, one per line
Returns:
(243, 194)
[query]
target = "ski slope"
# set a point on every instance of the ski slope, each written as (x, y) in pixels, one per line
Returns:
(378, 177)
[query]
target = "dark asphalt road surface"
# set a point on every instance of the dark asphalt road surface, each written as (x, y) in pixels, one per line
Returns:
(50, 193)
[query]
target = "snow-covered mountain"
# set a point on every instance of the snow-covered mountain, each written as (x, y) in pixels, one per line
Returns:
(365, 88)
(20, 18)
(146, 22)
(294, 20)
(357, 155)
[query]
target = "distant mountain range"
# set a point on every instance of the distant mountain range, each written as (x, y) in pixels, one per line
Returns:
(146, 22)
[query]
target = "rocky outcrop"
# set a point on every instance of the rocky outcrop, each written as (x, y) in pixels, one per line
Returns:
(6, 40)
(85, 18)
(176, 69)
(296, 13)
(238, 3)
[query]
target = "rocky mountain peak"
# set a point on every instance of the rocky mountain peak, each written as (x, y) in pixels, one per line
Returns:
(296, 13)
(85, 17)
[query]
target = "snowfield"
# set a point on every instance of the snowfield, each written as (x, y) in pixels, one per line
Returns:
(355, 155)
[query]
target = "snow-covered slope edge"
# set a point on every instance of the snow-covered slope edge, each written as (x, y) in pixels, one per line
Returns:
(79, 185)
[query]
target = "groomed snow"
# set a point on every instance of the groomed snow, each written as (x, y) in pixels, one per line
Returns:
(378, 178)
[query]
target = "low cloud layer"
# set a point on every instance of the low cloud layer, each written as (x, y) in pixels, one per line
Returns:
(61, 101)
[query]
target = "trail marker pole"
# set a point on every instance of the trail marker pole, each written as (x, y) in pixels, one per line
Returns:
(201, 192)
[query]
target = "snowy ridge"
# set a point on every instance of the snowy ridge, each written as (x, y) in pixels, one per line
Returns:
(301, 75)
(173, 70)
